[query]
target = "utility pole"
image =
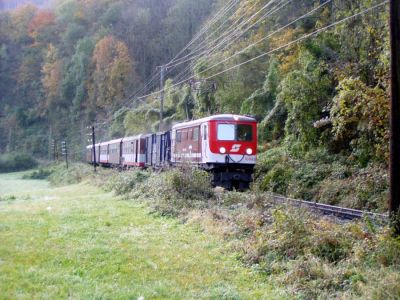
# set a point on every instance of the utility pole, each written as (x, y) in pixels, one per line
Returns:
(162, 75)
(394, 202)
(53, 149)
(64, 150)
(94, 148)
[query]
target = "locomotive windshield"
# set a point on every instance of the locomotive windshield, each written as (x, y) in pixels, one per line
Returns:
(235, 132)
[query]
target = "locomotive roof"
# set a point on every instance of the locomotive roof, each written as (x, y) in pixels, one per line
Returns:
(224, 117)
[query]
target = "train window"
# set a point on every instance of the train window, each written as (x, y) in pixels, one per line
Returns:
(205, 133)
(226, 132)
(244, 133)
(185, 135)
(196, 134)
(178, 136)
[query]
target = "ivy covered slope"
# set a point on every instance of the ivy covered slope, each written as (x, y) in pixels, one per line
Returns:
(322, 102)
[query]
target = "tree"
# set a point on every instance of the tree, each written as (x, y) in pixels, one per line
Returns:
(360, 117)
(52, 75)
(304, 92)
(40, 26)
(113, 76)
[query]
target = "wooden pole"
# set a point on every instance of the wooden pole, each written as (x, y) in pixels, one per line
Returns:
(162, 74)
(394, 201)
(94, 148)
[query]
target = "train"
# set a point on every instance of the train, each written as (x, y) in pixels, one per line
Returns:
(224, 145)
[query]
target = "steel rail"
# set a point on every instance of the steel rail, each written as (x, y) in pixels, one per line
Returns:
(326, 209)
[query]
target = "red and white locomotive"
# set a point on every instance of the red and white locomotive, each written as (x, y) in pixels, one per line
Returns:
(224, 145)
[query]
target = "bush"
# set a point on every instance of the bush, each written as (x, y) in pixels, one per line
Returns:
(366, 189)
(313, 257)
(189, 183)
(39, 174)
(174, 191)
(278, 179)
(322, 177)
(74, 174)
(123, 183)
(16, 162)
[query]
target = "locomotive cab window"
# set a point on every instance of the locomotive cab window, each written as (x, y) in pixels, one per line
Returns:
(226, 132)
(233, 132)
(244, 133)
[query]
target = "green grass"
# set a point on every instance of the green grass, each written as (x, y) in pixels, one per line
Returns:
(81, 243)
(12, 183)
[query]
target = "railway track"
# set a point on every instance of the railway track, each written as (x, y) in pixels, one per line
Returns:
(337, 211)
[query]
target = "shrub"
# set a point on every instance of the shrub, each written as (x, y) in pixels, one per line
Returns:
(16, 162)
(123, 183)
(304, 179)
(172, 192)
(278, 179)
(268, 159)
(39, 174)
(387, 251)
(74, 174)
(190, 183)
(366, 189)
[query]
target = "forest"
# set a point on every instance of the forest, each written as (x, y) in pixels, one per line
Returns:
(315, 74)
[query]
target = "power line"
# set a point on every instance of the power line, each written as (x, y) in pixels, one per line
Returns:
(232, 33)
(205, 28)
(306, 36)
(316, 32)
(266, 37)
(200, 46)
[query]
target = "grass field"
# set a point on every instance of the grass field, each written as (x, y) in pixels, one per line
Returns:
(78, 242)
(12, 184)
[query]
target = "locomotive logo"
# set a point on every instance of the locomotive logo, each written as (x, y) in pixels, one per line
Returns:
(235, 148)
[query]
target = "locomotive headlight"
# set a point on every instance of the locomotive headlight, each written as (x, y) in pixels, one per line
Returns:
(249, 151)
(222, 150)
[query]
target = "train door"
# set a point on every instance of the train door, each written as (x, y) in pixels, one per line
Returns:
(154, 150)
(120, 153)
(197, 143)
(204, 141)
(162, 149)
(167, 147)
(136, 151)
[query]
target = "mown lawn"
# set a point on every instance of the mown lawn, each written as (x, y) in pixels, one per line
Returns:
(78, 242)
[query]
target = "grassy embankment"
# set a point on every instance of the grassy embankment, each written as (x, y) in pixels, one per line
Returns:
(308, 256)
(294, 251)
(79, 242)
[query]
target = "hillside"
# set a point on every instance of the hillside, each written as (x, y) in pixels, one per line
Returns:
(314, 73)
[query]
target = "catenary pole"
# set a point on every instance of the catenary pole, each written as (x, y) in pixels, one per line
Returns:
(162, 74)
(64, 152)
(394, 202)
(94, 148)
